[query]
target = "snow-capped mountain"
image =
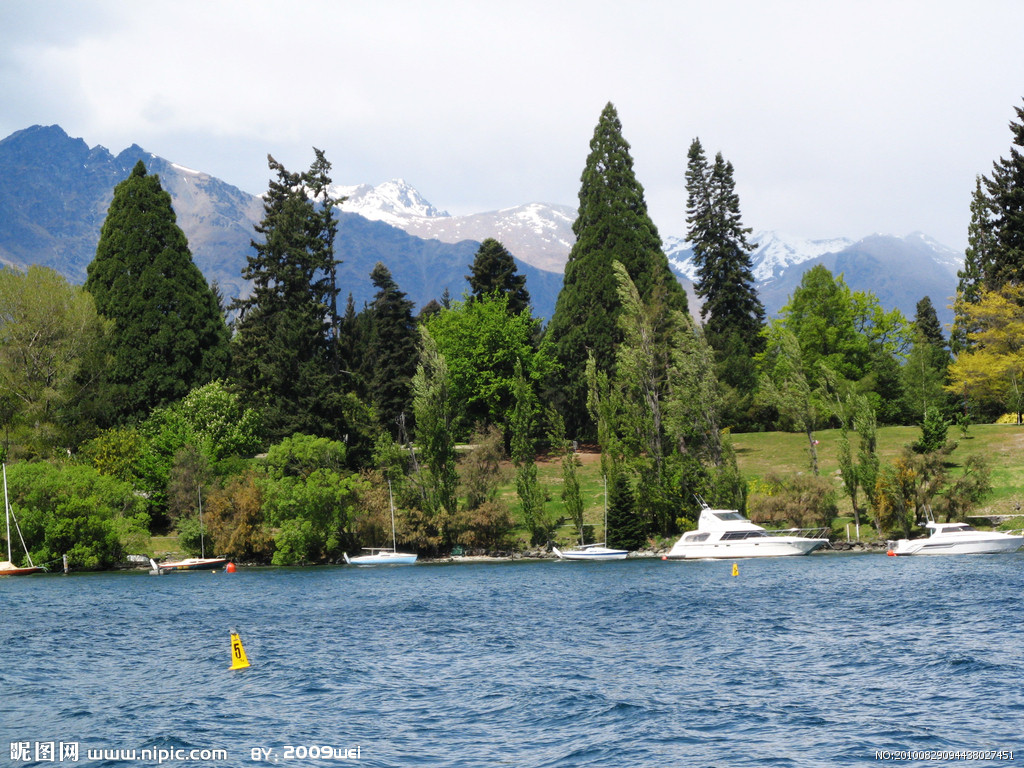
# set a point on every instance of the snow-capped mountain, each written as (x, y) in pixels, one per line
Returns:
(776, 252)
(394, 202)
(536, 233)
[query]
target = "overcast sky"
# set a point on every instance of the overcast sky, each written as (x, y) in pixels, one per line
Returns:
(841, 117)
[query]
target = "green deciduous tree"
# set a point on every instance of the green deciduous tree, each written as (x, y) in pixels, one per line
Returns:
(482, 343)
(50, 357)
(612, 224)
(169, 334)
(992, 370)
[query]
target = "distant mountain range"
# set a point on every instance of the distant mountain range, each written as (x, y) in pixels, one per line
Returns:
(55, 190)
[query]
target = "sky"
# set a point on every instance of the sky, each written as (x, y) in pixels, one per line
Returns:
(842, 118)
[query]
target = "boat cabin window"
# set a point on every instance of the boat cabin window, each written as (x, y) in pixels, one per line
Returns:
(733, 535)
(961, 527)
(696, 537)
(729, 516)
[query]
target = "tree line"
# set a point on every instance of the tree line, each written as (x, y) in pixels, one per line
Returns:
(130, 400)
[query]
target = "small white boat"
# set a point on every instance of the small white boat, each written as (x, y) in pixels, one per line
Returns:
(381, 556)
(723, 533)
(201, 563)
(189, 564)
(957, 539)
(597, 551)
(384, 555)
(591, 552)
(7, 567)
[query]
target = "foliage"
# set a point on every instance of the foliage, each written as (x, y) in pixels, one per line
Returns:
(436, 410)
(1005, 190)
(493, 271)
(992, 369)
(612, 224)
(72, 509)
(801, 500)
(482, 343)
(234, 520)
(169, 334)
(284, 355)
(390, 358)
(731, 308)
(625, 528)
(480, 469)
(308, 497)
(50, 354)
(532, 495)
(934, 429)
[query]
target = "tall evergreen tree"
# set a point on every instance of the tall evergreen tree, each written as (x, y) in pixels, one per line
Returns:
(721, 251)
(732, 312)
(494, 271)
(392, 349)
(283, 350)
(612, 224)
(977, 263)
(1006, 190)
(169, 334)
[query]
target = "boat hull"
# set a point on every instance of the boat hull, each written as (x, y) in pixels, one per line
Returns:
(194, 564)
(768, 546)
(593, 553)
(9, 569)
(382, 558)
(980, 546)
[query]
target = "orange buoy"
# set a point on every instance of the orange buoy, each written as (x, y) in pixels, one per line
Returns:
(890, 553)
(229, 568)
(663, 557)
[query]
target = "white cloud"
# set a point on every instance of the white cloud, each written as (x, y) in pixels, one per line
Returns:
(840, 118)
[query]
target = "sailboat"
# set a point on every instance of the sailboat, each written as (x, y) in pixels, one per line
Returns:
(384, 555)
(201, 563)
(7, 567)
(599, 551)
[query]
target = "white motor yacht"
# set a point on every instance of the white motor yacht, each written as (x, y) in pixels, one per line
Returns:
(957, 539)
(726, 533)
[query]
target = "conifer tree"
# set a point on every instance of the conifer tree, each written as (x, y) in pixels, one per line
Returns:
(283, 350)
(169, 335)
(612, 224)
(977, 263)
(494, 271)
(391, 350)
(732, 312)
(721, 251)
(1006, 190)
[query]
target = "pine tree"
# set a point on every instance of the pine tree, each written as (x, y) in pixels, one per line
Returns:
(612, 223)
(391, 350)
(494, 271)
(977, 263)
(283, 350)
(1006, 190)
(169, 334)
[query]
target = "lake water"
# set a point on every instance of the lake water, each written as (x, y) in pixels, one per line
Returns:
(809, 661)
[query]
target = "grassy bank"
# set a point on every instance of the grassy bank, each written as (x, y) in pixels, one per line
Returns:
(782, 453)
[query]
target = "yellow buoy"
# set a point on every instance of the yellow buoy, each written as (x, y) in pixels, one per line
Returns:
(735, 570)
(238, 657)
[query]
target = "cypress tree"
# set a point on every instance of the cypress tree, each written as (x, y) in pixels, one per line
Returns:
(494, 271)
(612, 224)
(169, 333)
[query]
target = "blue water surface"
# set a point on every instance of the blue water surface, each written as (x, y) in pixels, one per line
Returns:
(809, 661)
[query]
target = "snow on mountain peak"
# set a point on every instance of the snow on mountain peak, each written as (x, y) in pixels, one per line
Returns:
(393, 202)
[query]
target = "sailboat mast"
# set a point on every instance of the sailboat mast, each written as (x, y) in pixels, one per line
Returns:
(391, 501)
(202, 537)
(7, 513)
